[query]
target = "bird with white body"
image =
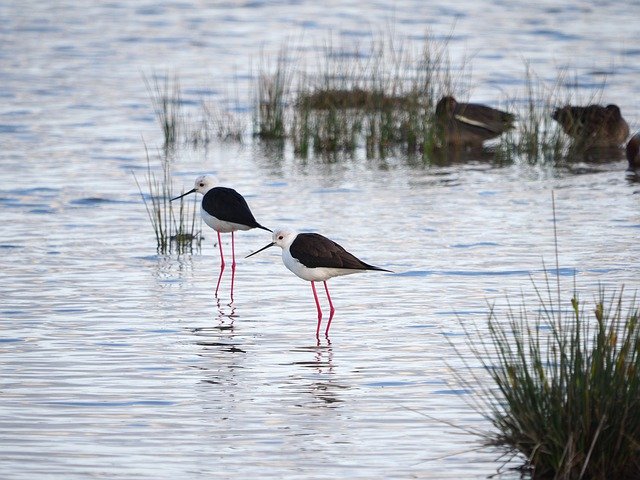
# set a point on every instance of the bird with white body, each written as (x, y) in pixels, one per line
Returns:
(316, 258)
(226, 211)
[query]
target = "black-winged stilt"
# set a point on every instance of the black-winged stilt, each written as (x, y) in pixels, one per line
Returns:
(226, 211)
(315, 258)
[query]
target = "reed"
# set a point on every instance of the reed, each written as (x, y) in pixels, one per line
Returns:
(568, 387)
(538, 139)
(175, 225)
(380, 96)
(167, 105)
(273, 91)
(216, 123)
(566, 384)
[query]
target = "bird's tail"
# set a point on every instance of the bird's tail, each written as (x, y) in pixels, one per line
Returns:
(379, 269)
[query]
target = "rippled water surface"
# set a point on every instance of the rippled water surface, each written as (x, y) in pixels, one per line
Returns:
(117, 362)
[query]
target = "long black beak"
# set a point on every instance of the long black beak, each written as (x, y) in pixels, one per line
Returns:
(184, 194)
(263, 248)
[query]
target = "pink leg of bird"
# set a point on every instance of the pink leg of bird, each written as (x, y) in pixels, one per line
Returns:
(221, 263)
(315, 296)
(233, 263)
(331, 309)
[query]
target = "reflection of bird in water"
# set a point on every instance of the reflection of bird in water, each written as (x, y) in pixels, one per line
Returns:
(324, 385)
(633, 153)
(226, 211)
(593, 125)
(315, 258)
(326, 390)
(470, 124)
(223, 315)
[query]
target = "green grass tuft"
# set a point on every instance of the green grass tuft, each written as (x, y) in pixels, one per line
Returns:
(568, 388)
(174, 223)
(380, 97)
(167, 106)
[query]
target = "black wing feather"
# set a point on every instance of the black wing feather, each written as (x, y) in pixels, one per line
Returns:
(313, 250)
(228, 205)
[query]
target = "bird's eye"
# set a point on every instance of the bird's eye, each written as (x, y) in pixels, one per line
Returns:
(280, 237)
(202, 184)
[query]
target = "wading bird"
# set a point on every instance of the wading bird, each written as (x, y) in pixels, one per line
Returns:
(315, 258)
(226, 211)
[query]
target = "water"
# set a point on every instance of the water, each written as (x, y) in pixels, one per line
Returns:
(118, 362)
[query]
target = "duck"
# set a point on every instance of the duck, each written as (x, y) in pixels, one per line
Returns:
(593, 125)
(470, 124)
(633, 153)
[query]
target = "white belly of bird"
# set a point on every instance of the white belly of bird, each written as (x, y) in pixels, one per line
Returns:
(317, 274)
(221, 225)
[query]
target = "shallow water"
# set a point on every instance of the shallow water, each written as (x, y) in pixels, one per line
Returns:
(118, 362)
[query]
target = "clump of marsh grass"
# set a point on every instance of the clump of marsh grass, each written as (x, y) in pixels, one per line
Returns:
(566, 392)
(167, 106)
(538, 139)
(216, 123)
(568, 388)
(380, 97)
(273, 92)
(174, 225)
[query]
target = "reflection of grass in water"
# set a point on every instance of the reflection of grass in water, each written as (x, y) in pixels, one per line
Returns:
(174, 225)
(566, 392)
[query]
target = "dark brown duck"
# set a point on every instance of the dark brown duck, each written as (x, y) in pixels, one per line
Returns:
(470, 124)
(593, 125)
(633, 153)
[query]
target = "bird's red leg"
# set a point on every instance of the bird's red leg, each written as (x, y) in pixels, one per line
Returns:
(331, 309)
(233, 263)
(221, 263)
(315, 296)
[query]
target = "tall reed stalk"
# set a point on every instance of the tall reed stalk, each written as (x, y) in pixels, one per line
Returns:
(274, 88)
